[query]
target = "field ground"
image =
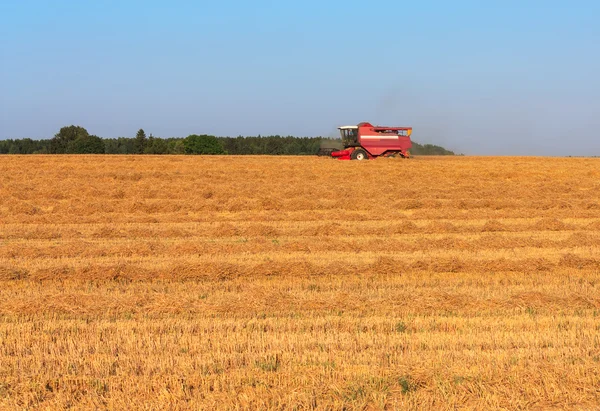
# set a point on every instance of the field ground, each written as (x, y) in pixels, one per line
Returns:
(161, 282)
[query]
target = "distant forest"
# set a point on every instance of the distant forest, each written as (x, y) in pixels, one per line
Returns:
(76, 140)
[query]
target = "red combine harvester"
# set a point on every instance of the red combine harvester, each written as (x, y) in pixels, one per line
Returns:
(365, 141)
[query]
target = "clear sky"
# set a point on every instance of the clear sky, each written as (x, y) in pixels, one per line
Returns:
(478, 77)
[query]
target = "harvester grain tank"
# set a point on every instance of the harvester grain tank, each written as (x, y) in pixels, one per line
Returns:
(365, 141)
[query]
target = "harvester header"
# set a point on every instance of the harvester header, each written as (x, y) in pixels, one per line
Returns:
(366, 141)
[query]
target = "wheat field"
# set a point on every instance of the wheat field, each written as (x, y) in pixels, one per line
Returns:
(176, 282)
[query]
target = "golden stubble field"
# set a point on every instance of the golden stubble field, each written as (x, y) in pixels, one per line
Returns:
(175, 282)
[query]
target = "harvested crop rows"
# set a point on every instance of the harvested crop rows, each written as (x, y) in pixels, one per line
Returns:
(278, 282)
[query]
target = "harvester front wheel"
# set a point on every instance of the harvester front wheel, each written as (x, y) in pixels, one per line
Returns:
(359, 154)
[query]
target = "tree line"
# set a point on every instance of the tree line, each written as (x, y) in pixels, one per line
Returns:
(77, 140)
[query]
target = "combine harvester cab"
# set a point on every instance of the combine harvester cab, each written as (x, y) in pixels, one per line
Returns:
(365, 141)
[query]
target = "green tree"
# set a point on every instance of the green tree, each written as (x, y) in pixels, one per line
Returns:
(429, 150)
(203, 144)
(66, 135)
(274, 145)
(42, 150)
(175, 146)
(111, 146)
(86, 145)
(156, 146)
(292, 147)
(140, 141)
(14, 149)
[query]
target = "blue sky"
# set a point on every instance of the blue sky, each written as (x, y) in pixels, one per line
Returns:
(495, 77)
